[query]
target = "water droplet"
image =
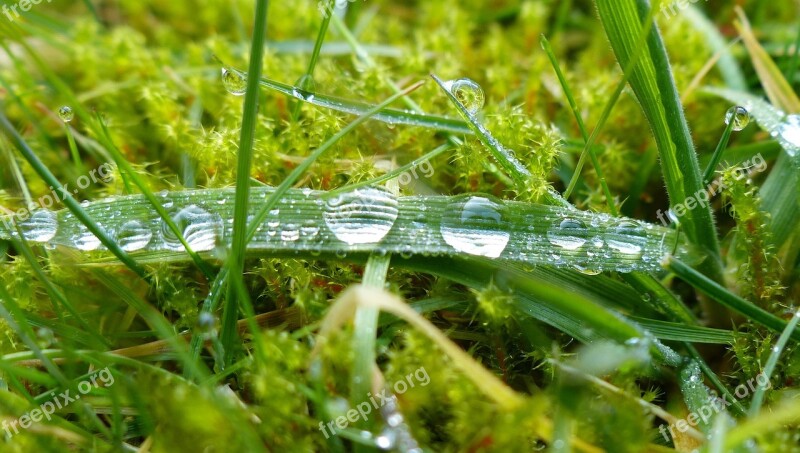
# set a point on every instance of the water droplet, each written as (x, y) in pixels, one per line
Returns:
(206, 322)
(387, 439)
(310, 230)
(304, 88)
(134, 235)
(627, 237)
(86, 241)
(290, 233)
(363, 216)
(568, 234)
(468, 92)
(585, 270)
(739, 116)
(66, 113)
(40, 227)
(200, 228)
(789, 133)
(234, 81)
(474, 225)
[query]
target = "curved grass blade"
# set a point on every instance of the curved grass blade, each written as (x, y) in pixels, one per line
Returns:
(386, 115)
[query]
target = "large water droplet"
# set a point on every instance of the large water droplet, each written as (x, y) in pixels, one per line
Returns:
(627, 237)
(200, 228)
(40, 227)
(363, 216)
(474, 225)
(66, 113)
(740, 117)
(387, 439)
(569, 234)
(234, 81)
(134, 235)
(468, 92)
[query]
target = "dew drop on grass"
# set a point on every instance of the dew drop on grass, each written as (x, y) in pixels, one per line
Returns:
(468, 92)
(475, 225)
(362, 216)
(234, 81)
(387, 439)
(290, 233)
(739, 116)
(628, 238)
(133, 235)
(86, 241)
(40, 227)
(66, 113)
(200, 228)
(789, 134)
(569, 234)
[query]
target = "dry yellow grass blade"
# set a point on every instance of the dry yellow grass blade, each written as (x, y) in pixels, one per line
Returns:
(778, 89)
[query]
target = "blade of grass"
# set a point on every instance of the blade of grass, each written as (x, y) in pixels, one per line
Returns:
(725, 297)
(653, 84)
(772, 361)
(244, 164)
(385, 115)
(306, 82)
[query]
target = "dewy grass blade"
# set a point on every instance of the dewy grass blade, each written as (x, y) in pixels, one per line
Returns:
(306, 82)
(715, 158)
(386, 115)
(516, 232)
(504, 156)
(653, 84)
(67, 199)
(244, 164)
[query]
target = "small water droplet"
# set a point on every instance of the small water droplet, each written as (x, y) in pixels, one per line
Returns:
(234, 81)
(134, 235)
(474, 225)
(310, 230)
(290, 233)
(468, 92)
(40, 227)
(569, 234)
(86, 241)
(66, 113)
(200, 229)
(740, 117)
(363, 216)
(585, 270)
(387, 439)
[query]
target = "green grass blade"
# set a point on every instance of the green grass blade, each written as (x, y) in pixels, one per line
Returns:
(772, 362)
(652, 82)
(244, 163)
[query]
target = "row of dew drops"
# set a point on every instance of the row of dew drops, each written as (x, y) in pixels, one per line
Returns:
(475, 224)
